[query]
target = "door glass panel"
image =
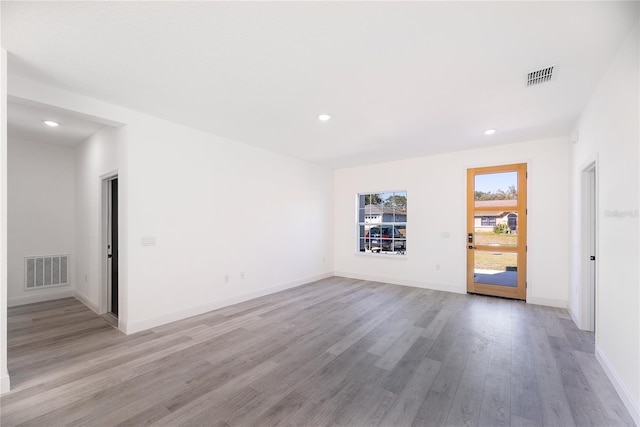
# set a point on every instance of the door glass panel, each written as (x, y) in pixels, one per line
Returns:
(496, 268)
(496, 190)
(496, 228)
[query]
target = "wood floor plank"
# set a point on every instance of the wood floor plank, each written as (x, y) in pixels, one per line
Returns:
(468, 397)
(404, 370)
(55, 398)
(551, 392)
(496, 395)
(200, 408)
(338, 351)
(361, 331)
(397, 329)
(606, 394)
(406, 406)
(496, 400)
(525, 404)
(333, 391)
(368, 406)
(399, 348)
(577, 340)
(435, 409)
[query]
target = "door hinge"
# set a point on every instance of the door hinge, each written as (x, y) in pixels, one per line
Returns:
(526, 248)
(526, 211)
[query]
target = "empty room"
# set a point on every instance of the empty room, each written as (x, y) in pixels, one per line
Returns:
(320, 213)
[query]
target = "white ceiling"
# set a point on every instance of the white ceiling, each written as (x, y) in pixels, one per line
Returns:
(25, 122)
(401, 79)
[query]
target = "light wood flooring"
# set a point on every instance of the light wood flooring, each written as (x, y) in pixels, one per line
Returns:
(334, 352)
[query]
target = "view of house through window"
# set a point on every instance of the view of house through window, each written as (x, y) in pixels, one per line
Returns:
(382, 222)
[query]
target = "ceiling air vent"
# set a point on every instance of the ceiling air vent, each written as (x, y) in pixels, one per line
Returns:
(539, 76)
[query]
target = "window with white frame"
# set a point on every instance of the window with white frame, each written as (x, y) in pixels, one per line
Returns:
(382, 222)
(488, 220)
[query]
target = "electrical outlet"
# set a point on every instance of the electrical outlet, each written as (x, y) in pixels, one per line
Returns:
(437, 266)
(242, 275)
(226, 278)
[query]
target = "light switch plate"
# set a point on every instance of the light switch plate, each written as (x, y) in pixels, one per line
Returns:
(148, 241)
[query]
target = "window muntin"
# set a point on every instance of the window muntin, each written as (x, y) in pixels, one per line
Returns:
(382, 222)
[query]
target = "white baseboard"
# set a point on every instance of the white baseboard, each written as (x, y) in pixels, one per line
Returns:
(441, 287)
(624, 394)
(574, 318)
(86, 301)
(39, 297)
(142, 325)
(557, 303)
(412, 283)
(5, 384)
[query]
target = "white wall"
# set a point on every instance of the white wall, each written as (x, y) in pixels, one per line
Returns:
(608, 131)
(436, 228)
(216, 208)
(94, 158)
(219, 208)
(40, 213)
(4, 373)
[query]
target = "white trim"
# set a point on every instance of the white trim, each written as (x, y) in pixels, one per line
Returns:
(412, 283)
(4, 379)
(41, 297)
(5, 384)
(557, 303)
(381, 223)
(587, 290)
(381, 255)
(573, 316)
(83, 299)
(618, 384)
(142, 325)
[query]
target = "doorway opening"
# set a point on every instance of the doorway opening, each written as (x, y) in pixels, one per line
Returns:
(497, 231)
(110, 306)
(589, 237)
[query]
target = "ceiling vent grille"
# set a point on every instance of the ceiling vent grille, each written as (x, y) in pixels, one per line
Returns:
(540, 76)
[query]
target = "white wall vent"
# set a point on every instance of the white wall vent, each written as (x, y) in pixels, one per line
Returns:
(46, 271)
(540, 76)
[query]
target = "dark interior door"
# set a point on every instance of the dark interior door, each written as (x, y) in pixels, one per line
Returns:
(114, 247)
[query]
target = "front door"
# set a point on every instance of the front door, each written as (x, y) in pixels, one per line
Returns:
(497, 231)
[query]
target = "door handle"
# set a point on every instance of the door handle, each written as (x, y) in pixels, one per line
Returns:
(471, 247)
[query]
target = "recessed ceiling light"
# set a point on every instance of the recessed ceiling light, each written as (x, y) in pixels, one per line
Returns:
(489, 131)
(51, 123)
(324, 117)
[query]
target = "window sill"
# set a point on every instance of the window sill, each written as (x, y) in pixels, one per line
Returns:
(387, 256)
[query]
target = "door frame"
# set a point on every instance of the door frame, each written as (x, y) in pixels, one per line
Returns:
(519, 292)
(105, 214)
(589, 243)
